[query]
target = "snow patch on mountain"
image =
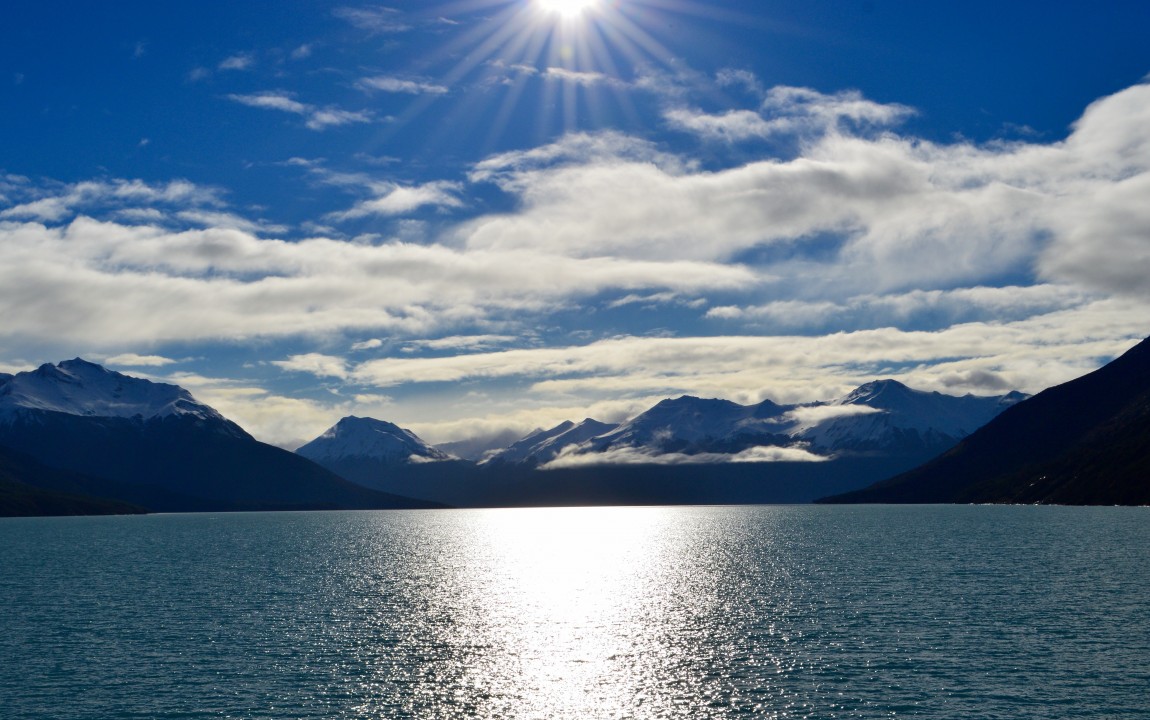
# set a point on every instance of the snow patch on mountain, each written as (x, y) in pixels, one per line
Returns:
(544, 446)
(672, 425)
(78, 387)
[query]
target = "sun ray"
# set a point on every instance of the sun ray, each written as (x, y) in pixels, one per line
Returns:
(507, 52)
(567, 8)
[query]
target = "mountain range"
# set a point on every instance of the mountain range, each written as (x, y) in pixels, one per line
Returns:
(1085, 442)
(682, 450)
(106, 436)
(76, 438)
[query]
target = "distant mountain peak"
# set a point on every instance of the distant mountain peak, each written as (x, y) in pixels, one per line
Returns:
(543, 446)
(871, 391)
(366, 437)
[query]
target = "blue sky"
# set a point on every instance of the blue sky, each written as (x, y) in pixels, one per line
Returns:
(481, 215)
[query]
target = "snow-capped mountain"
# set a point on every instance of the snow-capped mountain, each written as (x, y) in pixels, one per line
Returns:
(356, 437)
(154, 445)
(690, 425)
(886, 415)
(78, 387)
(883, 417)
(544, 445)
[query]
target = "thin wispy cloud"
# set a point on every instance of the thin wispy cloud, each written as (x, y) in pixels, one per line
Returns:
(240, 61)
(575, 457)
(581, 78)
(387, 83)
(377, 19)
(315, 118)
(401, 200)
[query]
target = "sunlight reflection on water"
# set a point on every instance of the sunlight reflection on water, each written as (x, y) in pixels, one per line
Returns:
(707, 612)
(574, 612)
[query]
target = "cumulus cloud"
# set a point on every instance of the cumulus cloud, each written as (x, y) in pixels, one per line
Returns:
(93, 281)
(862, 228)
(315, 118)
(905, 213)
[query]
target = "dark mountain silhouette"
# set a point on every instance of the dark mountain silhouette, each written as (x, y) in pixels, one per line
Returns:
(153, 445)
(1085, 442)
(26, 490)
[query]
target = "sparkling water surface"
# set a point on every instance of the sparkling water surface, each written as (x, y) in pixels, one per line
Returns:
(698, 612)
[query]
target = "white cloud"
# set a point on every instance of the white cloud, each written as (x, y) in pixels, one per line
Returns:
(1030, 354)
(367, 345)
(512, 170)
(729, 77)
(59, 202)
(315, 118)
(401, 200)
(908, 214)
(378, 19)
(862, 228)
(134, 360)
(731, 126)
(786, 110)
(939, 307)
(574, 456)
(586, 79)
(102, 282)
(315, 364)
(240, 61)
(460, 342)
(388, 83)
(805, 418)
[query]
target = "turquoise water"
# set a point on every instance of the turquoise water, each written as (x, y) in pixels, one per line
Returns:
(708, 612)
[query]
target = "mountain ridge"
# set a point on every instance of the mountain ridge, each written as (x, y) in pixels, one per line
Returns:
(153, 445)
(1086, 441)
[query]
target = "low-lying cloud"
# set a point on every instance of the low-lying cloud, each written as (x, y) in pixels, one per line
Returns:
(573, 457)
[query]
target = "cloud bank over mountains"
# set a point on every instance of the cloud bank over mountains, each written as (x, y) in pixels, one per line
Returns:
(851, 247)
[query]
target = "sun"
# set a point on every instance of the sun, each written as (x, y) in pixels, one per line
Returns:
(566, 8)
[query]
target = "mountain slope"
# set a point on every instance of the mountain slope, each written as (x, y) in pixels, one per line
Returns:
(1083, 442)
(22, 491)
(154, 445)
(543, 446)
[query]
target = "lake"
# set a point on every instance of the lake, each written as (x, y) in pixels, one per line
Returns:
(647, 612)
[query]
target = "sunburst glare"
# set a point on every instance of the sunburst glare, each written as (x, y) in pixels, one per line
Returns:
(538, 68)
(567, 8)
